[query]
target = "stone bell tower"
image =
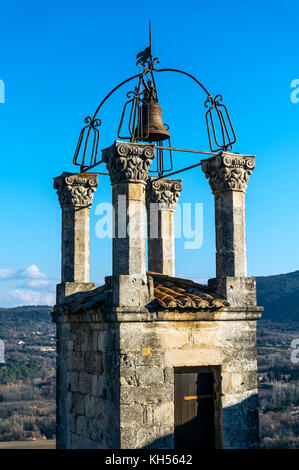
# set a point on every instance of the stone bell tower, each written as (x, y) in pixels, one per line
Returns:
(149, 360)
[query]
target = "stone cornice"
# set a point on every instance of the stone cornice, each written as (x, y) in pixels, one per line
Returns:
(76, 190)
(228, 171)
(128, 315)
(164, 192)
(128, 162)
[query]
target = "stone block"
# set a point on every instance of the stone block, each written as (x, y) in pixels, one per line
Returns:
(85, 383)
(128, 438)
(90, 406)
(194, 356)
(239, 291)
(168, 375)
(131, 290)
(73, 381)
(153, 394)
(128, 375)
(96, 431)
(97, 385)
(81, 427)
(149, 375)
(131, 416)
(71, 422)
(88, 444)
(93, 362)
(163, 414)
(78, 403)
(77, 361)
(172, 338)
(76, 441)
(154, 437)
(148, 357)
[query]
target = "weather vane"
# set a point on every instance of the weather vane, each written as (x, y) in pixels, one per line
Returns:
(143, 117)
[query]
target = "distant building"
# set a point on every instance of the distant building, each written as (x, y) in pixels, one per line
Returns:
(2, 352)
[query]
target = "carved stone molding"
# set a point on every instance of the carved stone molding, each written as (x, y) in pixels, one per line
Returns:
(228, 171)
(164, 192)
(76, 190)
(128, 162)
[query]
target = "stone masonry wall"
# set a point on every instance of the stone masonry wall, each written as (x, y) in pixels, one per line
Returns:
(119, 387)
(150, 351)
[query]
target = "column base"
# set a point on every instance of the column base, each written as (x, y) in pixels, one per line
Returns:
(64, 289)
(129, 291)
(239, 291)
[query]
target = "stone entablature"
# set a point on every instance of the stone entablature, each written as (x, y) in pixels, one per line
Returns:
(228, 171)
(76, 190)
(128, 162)
(163, 192)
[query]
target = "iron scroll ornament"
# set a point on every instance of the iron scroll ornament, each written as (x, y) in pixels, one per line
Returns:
(217, 116)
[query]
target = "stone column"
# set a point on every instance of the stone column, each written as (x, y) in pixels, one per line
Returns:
(228, 175)
(75, 193)
(128, 165)
(161, 199)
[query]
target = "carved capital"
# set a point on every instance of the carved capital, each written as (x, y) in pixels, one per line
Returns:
(227, 171)
(128, 162)
(164, 192)
(76, 190)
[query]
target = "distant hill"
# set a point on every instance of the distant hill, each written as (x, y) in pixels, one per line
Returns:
(14, 321)
(279, 295)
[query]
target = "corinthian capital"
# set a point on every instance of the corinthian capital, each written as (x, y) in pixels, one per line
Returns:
(164, 192)
(76, 190)
(128, 161)
(228, 171)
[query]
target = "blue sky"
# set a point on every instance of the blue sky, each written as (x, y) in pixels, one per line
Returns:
(58, 59)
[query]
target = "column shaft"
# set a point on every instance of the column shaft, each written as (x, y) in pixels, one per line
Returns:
(128, 165)
(231, 258)
(129, 243)
(75, 244)
(228, 176)
(162, 197)
(75, 193)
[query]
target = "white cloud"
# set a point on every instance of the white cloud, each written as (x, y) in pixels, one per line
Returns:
(26, 286)
(31, 272)
(201, 280)
(6, 273)
(31, 297)
(37, 283)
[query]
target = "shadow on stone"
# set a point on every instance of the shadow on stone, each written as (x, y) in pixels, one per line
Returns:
(239, 430)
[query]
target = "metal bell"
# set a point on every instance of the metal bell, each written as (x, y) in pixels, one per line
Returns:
(150, 126)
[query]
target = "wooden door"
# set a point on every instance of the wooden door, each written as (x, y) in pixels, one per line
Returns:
(194, 409)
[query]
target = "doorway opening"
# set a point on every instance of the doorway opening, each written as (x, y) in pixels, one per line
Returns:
(197, 392)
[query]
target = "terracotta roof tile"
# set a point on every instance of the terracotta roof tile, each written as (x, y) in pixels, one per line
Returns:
(170, 293)
(173, 292)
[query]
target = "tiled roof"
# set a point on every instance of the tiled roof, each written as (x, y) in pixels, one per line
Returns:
(82, 301)
(173, 292)
(170, 293)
